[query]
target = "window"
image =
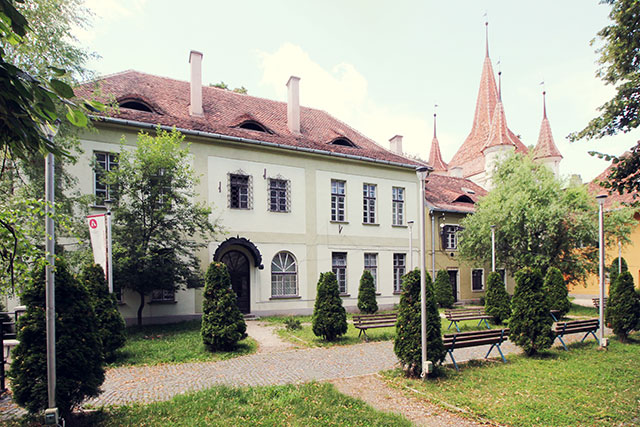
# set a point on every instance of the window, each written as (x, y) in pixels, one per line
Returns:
(399, 269)
(104, 162)
(503, 274)
(369, 203)
(337, 200)
(253, 125)
(343, 142)
(239, 191)
(371, 265)
(397, 195)
(339, 268)
(279, 195)
(163, 295)
(477, 279)
(284, 275)
(135, 104)
(162, 182)
(450, 237)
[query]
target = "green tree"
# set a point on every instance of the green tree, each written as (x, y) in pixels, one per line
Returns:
(613, 270)
(530, 322)
(79, 364)
(367, 294)
(620, 67)
(556, 291)
(222, 322)
(497, 303)
(109, 321)
(538, 223)
(408, 342)
(157, 225)
(329, 316)
(623, 306)
(444, 293)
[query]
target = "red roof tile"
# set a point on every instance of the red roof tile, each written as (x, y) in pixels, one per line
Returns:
(435, 157)
(546, 147)
(499, 133)
(224, 110)
(445, 192)
(614, 198)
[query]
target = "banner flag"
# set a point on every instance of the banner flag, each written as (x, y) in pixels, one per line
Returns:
(98, 233)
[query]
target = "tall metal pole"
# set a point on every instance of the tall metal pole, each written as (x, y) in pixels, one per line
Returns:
(433, 243)
(410, 224)
(109, 252)
(619, 256)
(50, 281)
(493, 248)
(601, 199)
(422, 173)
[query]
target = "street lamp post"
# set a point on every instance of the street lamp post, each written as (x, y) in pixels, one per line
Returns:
(493, 248)
(601, 198)
(427, 367)
(410, 224)
(108, 203)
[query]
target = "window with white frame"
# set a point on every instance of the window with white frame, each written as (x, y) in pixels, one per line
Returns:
(369, 203)
(339, 268)
(163, 295)
(371, 265)
(104, 162)
(399, 269)
(477, 279)
(503, 275)
(338, 200)
(279, 195)
(284, 275)
(239, 191)
(450, 237)
(397, 206)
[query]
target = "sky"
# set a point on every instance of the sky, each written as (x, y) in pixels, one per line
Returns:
(381, 66)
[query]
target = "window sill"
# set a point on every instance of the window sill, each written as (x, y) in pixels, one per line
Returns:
(372, 224)
(400, 225)
(345, 295)
(285, 297)
(240, 209)
(339, 222)
(163, 302)
(477, 290)
(269, 210)
(397, 292)
(378, 294)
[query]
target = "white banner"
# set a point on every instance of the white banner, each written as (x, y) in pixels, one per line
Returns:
(98, 232)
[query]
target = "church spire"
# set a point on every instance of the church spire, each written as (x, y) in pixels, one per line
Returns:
(435, 157)
(546, 146)
(486, 37)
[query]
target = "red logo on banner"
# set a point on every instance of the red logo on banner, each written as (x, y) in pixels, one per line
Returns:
(93, 223)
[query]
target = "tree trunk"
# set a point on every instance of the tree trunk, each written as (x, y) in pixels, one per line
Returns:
(140, 307)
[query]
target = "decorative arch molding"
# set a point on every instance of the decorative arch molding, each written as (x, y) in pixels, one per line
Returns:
(242, 242)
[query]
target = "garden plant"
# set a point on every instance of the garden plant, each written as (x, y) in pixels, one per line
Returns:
(367, 294)
(556, 291)
(329, 316)
(444, 293)
(497, 303)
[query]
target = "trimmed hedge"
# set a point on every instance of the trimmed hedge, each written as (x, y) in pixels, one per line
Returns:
(367, 294)
(329, 316)
(556, 290)
(497, 302)
(444, 293)
(623, 306)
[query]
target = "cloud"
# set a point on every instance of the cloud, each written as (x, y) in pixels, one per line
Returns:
(342, 91)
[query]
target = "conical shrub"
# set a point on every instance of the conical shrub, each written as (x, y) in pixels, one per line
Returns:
(497, 302)
(556, 291)
(329, 316)
(613, 269)
(444, 293)
(223, 324)
(367, 294)
(623, 307)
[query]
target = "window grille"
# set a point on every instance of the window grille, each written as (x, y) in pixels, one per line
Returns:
(279, 195)
(240, 191)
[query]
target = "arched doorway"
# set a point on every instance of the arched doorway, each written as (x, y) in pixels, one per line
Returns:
(238, 266)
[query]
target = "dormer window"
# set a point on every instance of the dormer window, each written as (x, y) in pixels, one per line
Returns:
(253, 125)
(464, 199)
(343, 142)
(135, 104)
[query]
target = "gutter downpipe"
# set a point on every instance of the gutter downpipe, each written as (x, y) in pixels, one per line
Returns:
(433, 243)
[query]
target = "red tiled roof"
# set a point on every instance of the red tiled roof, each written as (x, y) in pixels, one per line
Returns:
(435, 157)
(499, 133)
(614, 198)
(441, 192)
(546, 147)
(224, 110)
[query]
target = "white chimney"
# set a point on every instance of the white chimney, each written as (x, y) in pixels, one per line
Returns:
(195, 59)
(293, 104)
(396, 144)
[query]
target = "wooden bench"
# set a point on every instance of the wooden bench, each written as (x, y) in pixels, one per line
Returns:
(596, 302)
(371, 321)
(575, 327)
(455, 316)
(555, 314)
(494, 337)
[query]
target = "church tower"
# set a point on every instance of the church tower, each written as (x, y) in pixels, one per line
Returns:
(546, 152)
(435, 157)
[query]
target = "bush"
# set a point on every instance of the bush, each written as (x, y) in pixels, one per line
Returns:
(79, 368)
(530, 322)
(444, 293)
(497, 304)
(623, 306)
(408, 342)
(223, 324)
(292, 324)
(329, 316)
(612, 270)
(367, 294)
(556, 291)
(110, 323)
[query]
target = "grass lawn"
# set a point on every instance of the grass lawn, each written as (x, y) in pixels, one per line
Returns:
(584, 386)
(581, 311)
(172, 343)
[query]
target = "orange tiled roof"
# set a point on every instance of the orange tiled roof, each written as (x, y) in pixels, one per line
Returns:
(445, 193)
(499, 133)
(614, 198)
(435, 157)
(224, 110)
(546, 147)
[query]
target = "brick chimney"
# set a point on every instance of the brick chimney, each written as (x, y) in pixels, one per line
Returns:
(195, 59)
(293, 104)
(396, 144)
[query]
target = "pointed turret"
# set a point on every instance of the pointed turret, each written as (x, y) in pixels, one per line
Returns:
(499, 134)
(546, 152)
(435, 158)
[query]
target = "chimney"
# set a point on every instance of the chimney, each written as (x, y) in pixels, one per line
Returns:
(396, 144)
(195, 59)
(293, 104)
